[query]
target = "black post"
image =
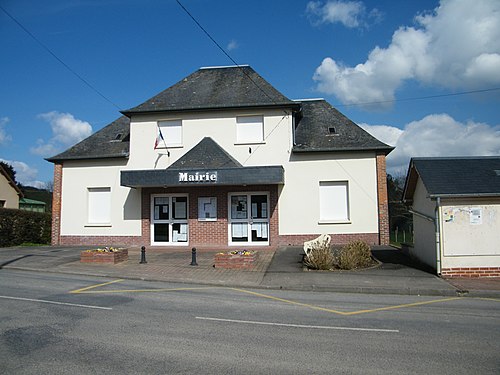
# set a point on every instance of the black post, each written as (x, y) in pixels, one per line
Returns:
(193, 257)
(143, 255)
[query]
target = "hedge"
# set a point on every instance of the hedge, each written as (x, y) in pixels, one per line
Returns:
(18, 227)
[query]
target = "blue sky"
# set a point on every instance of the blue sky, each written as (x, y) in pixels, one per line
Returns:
(369, 59)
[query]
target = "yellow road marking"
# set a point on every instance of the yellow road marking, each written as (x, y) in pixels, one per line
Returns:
(88, 290)
(82, 290)
(350, 312)
(141, 290)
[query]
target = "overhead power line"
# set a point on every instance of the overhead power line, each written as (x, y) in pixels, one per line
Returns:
(224, 51)
(87, 83)
(419, 97)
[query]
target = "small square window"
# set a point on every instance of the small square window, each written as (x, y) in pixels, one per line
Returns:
(207, 209)
(249, 129)
(169, 134)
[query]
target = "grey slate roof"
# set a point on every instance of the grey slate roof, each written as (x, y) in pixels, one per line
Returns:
(312, 132)
(215, 88)
(102, 144)
(207, 154)
(226, 88)
(454, 177)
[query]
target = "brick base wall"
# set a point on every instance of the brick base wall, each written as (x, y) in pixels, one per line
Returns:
(92, 241)
(475, 272)
(337, 239)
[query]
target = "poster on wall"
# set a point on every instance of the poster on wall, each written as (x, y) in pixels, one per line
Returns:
(207, 209)
(476, 214)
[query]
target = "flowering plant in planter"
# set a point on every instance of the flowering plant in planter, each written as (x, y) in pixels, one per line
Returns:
(107, 249)
(235, 259)
(104, 255)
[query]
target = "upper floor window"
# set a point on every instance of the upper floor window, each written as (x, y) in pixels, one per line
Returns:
(171, 134)
(249, 129)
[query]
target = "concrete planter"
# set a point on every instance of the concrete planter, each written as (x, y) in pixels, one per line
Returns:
(239, 260)
(104, 257)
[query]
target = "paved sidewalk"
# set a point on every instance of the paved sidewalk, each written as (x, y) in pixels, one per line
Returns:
(280, 269)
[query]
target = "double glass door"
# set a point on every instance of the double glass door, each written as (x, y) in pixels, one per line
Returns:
(169, 221)
(249, 218)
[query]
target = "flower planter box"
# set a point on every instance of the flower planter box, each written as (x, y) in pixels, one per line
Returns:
(239, 260)
(104, 257)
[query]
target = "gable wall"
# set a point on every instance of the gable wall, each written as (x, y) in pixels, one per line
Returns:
(424, 247)
(8, 193)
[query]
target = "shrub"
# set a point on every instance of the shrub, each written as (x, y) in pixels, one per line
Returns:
(320, 256)
(18, 226)
(356, 254)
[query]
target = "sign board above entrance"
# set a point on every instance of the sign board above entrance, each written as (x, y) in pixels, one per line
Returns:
(198, 177)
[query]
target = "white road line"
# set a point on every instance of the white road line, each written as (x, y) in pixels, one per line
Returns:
(299, 325)
(56, 303)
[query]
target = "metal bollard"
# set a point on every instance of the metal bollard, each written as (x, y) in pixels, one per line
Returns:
(143, 255)
(193, 257)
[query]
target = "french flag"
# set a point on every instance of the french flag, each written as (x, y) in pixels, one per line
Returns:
(159, 138)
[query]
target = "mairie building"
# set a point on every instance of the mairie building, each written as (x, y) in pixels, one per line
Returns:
(222, 160)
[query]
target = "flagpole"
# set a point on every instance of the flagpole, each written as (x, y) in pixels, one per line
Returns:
(163, 139)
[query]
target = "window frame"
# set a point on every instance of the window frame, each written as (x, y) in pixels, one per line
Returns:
(101, 202)
(164, 125)
(332, 191)
(242, 136)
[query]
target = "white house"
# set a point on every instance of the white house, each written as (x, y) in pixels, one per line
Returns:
(456, 214)
(222, 159)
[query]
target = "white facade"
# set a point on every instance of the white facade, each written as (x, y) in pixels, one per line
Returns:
(298, 204)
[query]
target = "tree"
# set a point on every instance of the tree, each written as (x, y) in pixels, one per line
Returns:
(10, 170)
(399, 217)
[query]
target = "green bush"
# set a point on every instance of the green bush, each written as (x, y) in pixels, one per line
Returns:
(18, 226)
(356, 254)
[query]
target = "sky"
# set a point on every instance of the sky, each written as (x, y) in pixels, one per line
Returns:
(423, 76)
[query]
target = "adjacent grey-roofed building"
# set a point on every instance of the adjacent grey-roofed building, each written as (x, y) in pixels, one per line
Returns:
(455, 203)
(222, 159)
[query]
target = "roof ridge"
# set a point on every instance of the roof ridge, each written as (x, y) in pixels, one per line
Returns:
(225, 66)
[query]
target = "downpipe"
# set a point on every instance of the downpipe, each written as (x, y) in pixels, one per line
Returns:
(438, 236)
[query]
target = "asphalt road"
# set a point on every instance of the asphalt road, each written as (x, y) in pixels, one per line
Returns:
(67, 324)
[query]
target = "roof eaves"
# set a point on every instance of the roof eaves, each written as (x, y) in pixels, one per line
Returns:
(307, 149)
(56, 159)
(130, 112)
(464, 195)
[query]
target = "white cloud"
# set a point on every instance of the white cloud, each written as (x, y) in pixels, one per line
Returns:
(4, 137)
(348, 13)
(232, 45)
(455, 46)
(25, 174)
(351, 14)
(436, 135)
(66, 131)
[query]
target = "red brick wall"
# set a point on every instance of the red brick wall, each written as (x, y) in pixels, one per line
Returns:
(56, 204)
(472, 272)
(101, 241)
(383, 201)
(210, 233)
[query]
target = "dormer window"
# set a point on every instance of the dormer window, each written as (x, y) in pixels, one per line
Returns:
(331, 130)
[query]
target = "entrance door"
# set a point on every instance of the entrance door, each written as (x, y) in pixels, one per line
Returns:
(249, 219)
(169, 224)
